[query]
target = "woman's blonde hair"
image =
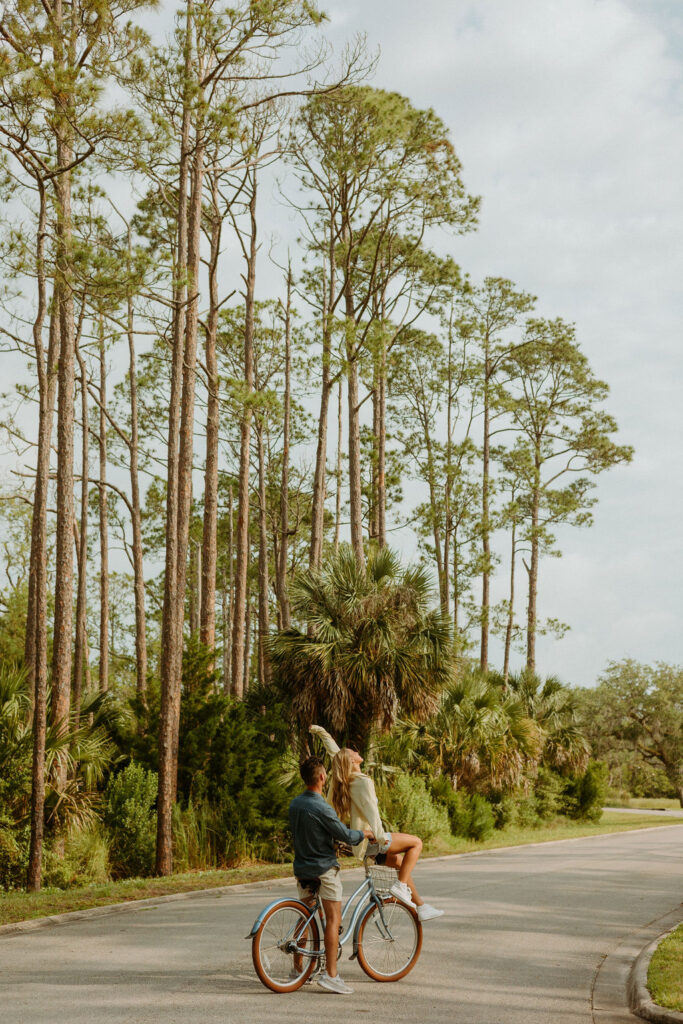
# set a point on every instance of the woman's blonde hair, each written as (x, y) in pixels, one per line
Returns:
(340, 787)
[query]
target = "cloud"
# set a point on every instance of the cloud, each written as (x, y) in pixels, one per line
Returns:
(568, 120)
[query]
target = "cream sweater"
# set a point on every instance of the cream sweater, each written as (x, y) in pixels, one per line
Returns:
(364, 808)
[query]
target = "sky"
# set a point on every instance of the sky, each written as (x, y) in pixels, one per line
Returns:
(568, 120)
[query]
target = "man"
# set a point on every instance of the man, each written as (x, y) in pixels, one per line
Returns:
(315, 827)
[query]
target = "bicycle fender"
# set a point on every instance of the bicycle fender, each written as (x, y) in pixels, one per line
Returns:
(283, 899)
(378, 903)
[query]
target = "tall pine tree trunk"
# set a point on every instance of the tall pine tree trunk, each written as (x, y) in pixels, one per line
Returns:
(282, 594)
(37, 618)
(138, 566)
(228, 625)
(511, 609)
(263, 583)
(320, 472)
(103, 520)
(207, 631)
(239, 640)
(533, 573)
(81, 538)
(63, 617)
(171, 642)
(338, 469)
(485, 530)
(382, 448)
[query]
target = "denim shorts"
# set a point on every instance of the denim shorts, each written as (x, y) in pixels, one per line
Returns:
(379, 848)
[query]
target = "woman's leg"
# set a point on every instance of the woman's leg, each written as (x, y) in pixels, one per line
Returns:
(403, 854)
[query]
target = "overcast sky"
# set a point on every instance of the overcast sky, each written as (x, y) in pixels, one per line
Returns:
(567, 117)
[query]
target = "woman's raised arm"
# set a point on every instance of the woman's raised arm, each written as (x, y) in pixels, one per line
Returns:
(331, 747)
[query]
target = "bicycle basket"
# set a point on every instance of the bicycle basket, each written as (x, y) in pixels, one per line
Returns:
(383, 878)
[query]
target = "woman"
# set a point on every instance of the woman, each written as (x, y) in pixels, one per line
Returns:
(352, 794)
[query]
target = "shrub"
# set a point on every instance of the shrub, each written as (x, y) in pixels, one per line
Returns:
(14, 846)
(130, 818)
(504, 809)
(229, 766)
(85, 860)
(548, 793)
(408, 807)
(481, 821)
(469, 814)
(526, 812)
(585, 794)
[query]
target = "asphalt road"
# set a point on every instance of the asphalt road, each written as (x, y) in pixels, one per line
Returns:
(525, 932)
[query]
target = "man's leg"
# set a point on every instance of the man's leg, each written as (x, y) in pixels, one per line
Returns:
(332, 910)
(301, 940)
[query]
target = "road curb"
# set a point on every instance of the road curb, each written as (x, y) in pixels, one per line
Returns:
(56, 920)
(640, 1000)
(611, 991)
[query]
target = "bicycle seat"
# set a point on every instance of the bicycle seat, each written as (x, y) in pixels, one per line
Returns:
(312, 884)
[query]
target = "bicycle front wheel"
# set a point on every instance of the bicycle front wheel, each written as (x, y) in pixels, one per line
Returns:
(389, 953)
(285, 928)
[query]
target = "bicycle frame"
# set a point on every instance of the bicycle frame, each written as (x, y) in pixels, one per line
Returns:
(367, 894)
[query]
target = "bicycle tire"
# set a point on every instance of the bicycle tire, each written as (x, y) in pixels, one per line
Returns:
(383, 959)
(269, 959)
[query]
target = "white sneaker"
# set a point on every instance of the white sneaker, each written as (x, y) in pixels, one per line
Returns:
(334, 984)
(401, 891)
(427, 912)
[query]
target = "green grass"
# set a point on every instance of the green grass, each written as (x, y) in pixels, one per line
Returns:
(24, 906)
(665, 973)
(562, 828)
(645, 803)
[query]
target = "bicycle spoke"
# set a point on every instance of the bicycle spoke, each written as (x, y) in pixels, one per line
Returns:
(391, 947)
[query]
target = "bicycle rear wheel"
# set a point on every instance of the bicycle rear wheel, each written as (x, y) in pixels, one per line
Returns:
(283, 928)
(388, 954)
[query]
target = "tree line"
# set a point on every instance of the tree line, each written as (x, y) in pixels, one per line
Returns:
(224, 442)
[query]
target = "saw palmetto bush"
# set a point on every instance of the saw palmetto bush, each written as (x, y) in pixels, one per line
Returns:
(479, 737)
(556, 710)
(370, 646)
(85, 747)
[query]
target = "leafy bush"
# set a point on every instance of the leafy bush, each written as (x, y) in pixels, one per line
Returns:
(14, 846)
(130, 818)
(585, 794)
(526, 812)
(408, 807)
(232, 803)
(504, 809)
(548, 793)
(469, 814)
(85, 860)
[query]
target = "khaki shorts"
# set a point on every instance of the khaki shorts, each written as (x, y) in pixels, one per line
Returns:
(330, 886)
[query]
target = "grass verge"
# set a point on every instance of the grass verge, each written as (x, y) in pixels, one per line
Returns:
(24, 906)
(646, 803)
(665, 973)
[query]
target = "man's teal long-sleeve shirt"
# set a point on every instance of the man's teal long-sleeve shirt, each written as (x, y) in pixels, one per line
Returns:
(315, 827)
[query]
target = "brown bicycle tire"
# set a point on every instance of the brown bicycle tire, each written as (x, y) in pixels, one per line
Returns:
(361, 931)
(255, 943)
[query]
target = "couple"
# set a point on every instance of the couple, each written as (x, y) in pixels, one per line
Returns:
(315, 829)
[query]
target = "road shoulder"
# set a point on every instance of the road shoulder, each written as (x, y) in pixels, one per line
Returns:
(612, 986)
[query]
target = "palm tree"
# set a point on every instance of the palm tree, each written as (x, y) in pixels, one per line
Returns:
(480, 737)
(86, 749)
(555, 709)
(373, 647)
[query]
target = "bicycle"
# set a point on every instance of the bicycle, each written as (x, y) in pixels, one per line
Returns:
(386, 933)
